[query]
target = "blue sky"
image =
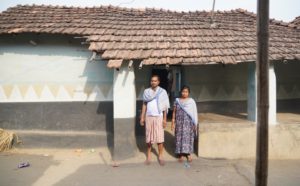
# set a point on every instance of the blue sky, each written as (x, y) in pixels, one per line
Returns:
(285, 10)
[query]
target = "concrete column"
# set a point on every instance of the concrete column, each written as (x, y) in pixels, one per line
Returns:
(272, 95)
(251, 95)
(124, 98)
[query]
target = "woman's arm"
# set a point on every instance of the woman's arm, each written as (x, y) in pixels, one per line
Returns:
(173, 118)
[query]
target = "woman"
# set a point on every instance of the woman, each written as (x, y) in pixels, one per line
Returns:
(184, 121)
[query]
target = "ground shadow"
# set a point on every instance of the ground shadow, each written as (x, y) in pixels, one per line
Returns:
(142, 146)
(125, 174)
(12, 176)
(170, 143)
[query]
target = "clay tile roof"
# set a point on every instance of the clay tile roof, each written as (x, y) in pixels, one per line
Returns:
(114, 63)
(296, 22)
(158, 36)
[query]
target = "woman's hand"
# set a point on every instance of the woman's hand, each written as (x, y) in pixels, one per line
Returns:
(173, 126)
(173, 119)
(194, 127)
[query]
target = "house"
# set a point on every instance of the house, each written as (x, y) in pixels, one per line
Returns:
(85, 69)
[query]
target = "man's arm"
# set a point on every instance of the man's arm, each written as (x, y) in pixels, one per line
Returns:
(142, 119)
(164, 119)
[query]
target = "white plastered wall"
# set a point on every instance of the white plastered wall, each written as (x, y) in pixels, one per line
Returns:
(56, 69)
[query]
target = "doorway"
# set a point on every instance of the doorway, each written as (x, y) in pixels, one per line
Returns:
(164, 80)
(170, 80)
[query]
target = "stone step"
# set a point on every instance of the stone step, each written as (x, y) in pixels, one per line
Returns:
(63, 139)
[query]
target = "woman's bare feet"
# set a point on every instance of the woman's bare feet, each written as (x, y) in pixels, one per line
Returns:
(180, 159)
(189, 158)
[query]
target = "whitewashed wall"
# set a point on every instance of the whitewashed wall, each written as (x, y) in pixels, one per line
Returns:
(142, 80)
(56, 69)
(229, 82)
(217, 82)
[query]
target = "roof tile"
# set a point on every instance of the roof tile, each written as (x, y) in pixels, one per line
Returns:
(157, 36)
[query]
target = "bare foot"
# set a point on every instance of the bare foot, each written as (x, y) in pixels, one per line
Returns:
(189, 158)
(180, 159)
(147, 162)
(161, 162)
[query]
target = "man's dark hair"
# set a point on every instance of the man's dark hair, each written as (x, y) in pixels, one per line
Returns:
(155, 75)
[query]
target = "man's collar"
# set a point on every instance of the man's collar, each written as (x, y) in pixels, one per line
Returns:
(154, 89)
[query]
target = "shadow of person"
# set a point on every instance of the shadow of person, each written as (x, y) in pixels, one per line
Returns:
(142, 146)
(106, 110)
(169, 143)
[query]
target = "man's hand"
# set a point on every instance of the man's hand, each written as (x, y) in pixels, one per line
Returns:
(164, 123)
(142, 121)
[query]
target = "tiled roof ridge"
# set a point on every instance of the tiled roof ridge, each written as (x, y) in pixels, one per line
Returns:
(295, 22)
(298, 17)
(272, 20)
(238, 10)
(157, 10)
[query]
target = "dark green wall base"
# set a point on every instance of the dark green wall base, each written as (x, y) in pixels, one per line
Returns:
(125, 144)
(76, 116)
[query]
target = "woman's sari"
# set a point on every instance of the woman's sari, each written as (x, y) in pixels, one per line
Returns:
(186, 119)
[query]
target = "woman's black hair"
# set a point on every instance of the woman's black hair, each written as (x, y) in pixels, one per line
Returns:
(185, 87)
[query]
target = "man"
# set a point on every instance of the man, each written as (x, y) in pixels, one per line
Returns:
(154, 113)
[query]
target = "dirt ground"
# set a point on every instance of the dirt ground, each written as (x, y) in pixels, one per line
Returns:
(95, 167)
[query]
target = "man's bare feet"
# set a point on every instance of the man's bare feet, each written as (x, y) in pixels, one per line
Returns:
(147, 162)
(161, 162)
